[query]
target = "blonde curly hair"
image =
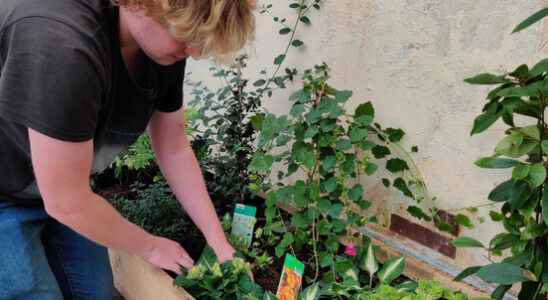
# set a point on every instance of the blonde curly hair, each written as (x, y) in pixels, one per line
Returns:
(213, 27)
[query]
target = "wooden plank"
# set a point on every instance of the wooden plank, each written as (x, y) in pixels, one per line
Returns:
(417, 269)
(137, 279)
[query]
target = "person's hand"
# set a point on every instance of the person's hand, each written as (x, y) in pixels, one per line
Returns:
(224, 252)
(167, 254)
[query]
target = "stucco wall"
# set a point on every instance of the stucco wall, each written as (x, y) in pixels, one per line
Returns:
(409, 57)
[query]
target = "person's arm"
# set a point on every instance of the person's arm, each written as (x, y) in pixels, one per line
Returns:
(62, 171)
(182, 171)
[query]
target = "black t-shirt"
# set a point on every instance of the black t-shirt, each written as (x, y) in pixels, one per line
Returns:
(62, 74)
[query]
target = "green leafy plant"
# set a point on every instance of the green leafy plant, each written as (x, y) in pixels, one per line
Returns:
(522, 199)
(138, 158)
(331, 149)
(228, 113)
(155, 209)
(425, 290)
(210, 280)
(364, 269)
(138, 161)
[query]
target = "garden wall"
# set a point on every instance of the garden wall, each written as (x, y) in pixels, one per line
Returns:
(410, 58)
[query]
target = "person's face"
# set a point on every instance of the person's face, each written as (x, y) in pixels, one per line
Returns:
(154, 39)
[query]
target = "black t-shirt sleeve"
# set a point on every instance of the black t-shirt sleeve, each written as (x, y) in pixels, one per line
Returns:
(173, 99)
(50, 79)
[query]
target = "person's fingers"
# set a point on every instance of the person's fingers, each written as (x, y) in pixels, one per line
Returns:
(185, 261)
(185, 255)
(175, 268)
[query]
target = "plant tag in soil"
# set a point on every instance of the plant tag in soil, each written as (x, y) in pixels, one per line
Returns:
(291, 279)
(243, 222)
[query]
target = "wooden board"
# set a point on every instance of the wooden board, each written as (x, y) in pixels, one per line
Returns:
(137, 279)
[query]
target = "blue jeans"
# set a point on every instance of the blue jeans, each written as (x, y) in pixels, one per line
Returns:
(42, 259)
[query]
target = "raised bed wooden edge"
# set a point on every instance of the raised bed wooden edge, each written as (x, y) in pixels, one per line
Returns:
(136, 279)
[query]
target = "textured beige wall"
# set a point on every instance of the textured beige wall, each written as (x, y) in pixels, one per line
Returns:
(409, 57)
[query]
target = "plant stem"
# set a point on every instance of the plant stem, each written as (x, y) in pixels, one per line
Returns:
(292, 37)
(472, 207)
(285, 229)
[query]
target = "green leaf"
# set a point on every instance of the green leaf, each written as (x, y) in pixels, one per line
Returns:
(302, 154)
(518, 91)
(500, 291)
(484, 121)
(521, 171)
(401, 185)
(365, 109)
(396, 165)
(496, 163)
(261, 163)
(496, 216)
(299, 220)
(544, 146)
(502, 192)
(380, 151)
(279, 59)
(515, 139)
(344, 145)
(357, 134)
(285, 30)
(328, 163)
(330, 185)
(343, 96)
(418, 213)
(297, 43)
(537, 174)
(521, 72)
(301, 96)
(395, 135)
(539, 68)
(287, 239)
(466, 242)
(355, 194)
(464, 221)
(545, 206)
(257, 121)
(305, 20)
(519, 151)
(467, 272)
(539, 15)
(386, 182)
(297, 110)
(370, 168)
(503, 241)
(486, 78)
(391, 270)
(311, 132)
(324, 205)
(312, 292)
(530, 131)
(519, 194)
(335, 210)
(502, 273)
(369, 261)
(364, 120)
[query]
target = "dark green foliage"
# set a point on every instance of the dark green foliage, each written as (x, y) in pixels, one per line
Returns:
(156, 210)
(521, 92)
